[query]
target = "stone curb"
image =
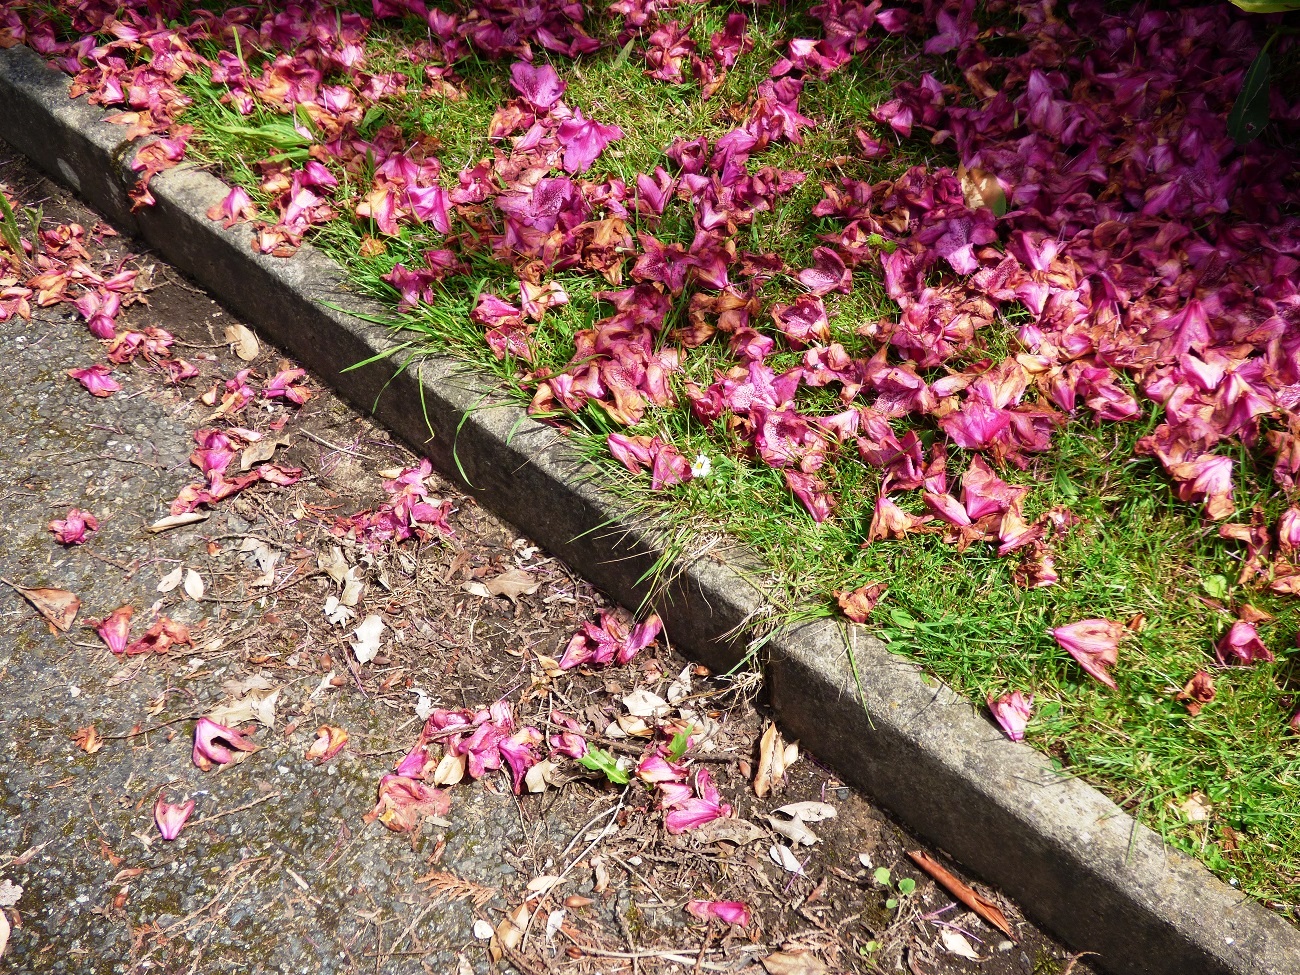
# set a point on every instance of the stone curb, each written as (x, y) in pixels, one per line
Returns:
(1074, 860)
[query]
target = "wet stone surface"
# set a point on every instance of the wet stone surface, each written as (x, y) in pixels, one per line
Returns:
(277, 871)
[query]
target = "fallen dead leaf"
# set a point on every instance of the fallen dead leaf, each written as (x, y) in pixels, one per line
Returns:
(790, 820)
(514, 583)
(739, 831)
(259, 452)
(256, 705)
(509, 933)
(774, 757)
(88, 739)
(1195, 808)
(784, 858)
(643, 704)
(243, 341)
(793, 963)
(982, 906)
(58, 606)
(4, 933)
(9, 892)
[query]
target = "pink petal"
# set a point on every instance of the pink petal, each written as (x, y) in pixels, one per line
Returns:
(1012, 712)
(1094, 644)
(171, 818)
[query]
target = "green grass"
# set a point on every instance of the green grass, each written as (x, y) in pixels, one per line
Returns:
(1136, 551)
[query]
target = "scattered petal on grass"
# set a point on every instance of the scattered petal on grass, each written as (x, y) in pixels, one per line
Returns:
(171, 818)
(1012, 711)
(1197, 692)
(858, 604)
(1242, 646)
(1094, 644)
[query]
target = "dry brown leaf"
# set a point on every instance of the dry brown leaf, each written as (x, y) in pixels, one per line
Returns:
(243, 341)
(858, 604)
(510, 932)
(257, 453)
(512, 584)
(739, 831)
(58, 606)
(982, 906)
(256, 705)
(772, 754)
(982, 189)
(793, 963)
(88, 739)
(1253, 614)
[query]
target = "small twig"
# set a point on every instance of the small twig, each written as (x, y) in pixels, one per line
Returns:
(333, 446)
(254, 597)
(237, 809)
(157, 727)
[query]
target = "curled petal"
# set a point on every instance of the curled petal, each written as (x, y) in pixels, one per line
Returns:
(404, 802)
(115, 628)
(1012, 712)
(170, 818)
(215, 744)
(1197, 692)
(1094, 644)
(74, 527)
(1241, 645)
(729, 912)
(330, 740)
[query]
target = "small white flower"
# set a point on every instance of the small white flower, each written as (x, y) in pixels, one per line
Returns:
(702, 466)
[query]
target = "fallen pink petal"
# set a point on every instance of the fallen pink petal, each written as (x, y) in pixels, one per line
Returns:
(215, 744)
(728, 912)
(1012, 711)
(98, 379)
(1094, 644)
(115, 628)
(171, 818)
(74, 527)
(1241, 646)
